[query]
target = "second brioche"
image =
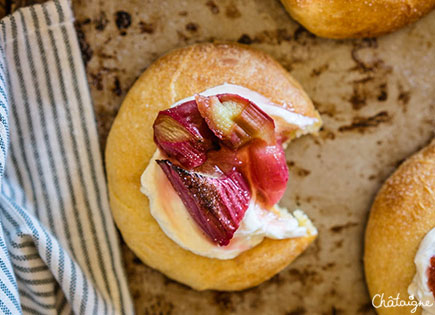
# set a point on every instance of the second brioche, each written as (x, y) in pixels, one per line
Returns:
(356, 18)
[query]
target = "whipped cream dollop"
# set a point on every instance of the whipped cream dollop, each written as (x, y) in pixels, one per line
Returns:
(174, 219)
(419, 287)
(169, 211)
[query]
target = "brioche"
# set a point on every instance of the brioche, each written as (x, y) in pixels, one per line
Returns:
(402, 214)
(177, 75)
(356, 18)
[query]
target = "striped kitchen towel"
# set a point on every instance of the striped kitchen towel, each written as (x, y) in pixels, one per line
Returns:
(59, 251)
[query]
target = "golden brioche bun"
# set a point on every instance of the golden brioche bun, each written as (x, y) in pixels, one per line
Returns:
(130, 145)
(356, 18)
(402, 214)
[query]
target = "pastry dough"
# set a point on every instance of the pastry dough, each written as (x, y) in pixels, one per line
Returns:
(356, 18)
(402, 214)
(175, 76)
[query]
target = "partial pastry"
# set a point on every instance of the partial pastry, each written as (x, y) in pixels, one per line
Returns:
(356, 18)
(196, 166)
(399, 255)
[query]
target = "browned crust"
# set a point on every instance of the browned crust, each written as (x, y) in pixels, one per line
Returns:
(130, 146)
(356, 18)
(402, 214)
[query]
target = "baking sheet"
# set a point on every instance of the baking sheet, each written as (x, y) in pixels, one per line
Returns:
(377, 100)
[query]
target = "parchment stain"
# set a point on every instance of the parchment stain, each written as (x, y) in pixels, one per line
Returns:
(361, 124)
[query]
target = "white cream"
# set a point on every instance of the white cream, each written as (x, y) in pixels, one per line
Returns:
(419, 286)
(174, 219)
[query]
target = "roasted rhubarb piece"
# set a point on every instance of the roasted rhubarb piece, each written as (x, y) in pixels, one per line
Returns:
(235, 120)
(269, 172)
(216, 204)
(220, 162)
(182, 133)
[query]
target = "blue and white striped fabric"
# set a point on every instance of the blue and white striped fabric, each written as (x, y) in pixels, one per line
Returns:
(59, 252)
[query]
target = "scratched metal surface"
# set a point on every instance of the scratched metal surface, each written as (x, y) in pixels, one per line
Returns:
(377, 100)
